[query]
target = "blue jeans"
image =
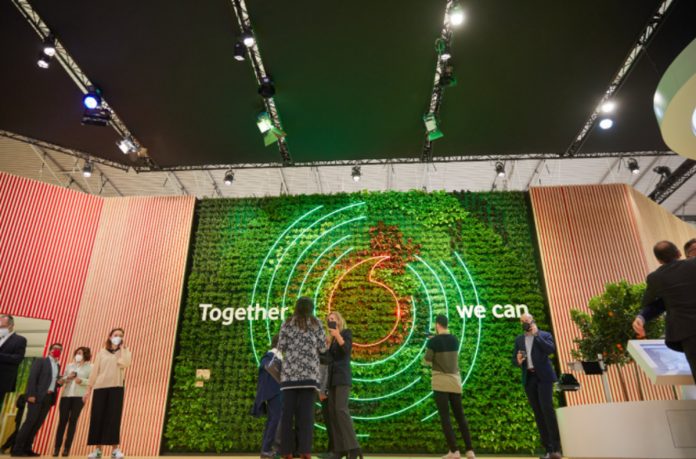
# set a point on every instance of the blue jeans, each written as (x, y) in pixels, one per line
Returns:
(275, 406)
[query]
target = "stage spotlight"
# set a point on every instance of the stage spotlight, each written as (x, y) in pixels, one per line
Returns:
(264, 123)
(432, 127)
(500, 169)
(446, 53)
(664, 171)
(266, 89)
(456, 15)
(248, 39)
(126, 145)
(44, 61)
(606, 123)
(239, 51)
(92, 99)
(447, 77)
(633, 166)
(608, 106)
(49, 46)
(229, 177)
(96, 117)
(87, 169)
(355, 173)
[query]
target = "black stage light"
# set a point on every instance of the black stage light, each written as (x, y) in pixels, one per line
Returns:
(229, 177)
(239, 51)
(266, 89)
(356, 174)
(87, 169)
(96, 117)
(633, 166)
(500, 169)
(49, 46)
(44, 61)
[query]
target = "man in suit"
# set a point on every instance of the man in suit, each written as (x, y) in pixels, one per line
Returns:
(532, 351)
(41, 396)
(690, 248)
(12, 350)
(672, 288)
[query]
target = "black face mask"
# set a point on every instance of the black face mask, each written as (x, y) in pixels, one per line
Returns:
(526, 326)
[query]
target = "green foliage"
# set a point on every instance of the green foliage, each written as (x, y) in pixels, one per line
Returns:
(493, 234)
(607, 329)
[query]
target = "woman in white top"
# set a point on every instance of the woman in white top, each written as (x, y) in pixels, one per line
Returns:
(74, 383)
(106, 387)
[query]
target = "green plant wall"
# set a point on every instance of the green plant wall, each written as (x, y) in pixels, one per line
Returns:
(389, 262)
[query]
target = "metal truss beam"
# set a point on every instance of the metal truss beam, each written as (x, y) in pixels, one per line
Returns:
(53, 167)
(628, 64)
(674, 181)
(438, 91)
(65, 150)
(241, 12)
(75, 72)
(439, 159)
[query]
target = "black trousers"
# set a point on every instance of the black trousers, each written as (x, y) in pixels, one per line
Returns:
(327, 422)
(297, 420)
(689, 347)
(36, 415)
(540, 396)
(105, 418)
(445, 400)
(70, 409)
(342, 429)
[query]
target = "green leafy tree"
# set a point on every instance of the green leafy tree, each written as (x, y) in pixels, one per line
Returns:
(608, 327)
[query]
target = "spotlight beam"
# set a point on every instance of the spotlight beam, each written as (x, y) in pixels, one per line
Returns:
(655, 21)
(242, 15)
(75, 72)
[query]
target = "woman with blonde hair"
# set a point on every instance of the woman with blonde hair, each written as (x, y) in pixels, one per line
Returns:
(106, 389)
(345, 442)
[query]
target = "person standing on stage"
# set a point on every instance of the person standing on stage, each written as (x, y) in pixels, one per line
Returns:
(672, 288)
(12, 350)
(532, 351)
(345, 442)
(269, 400)
(301, 339)
(443, 355)
(41, 396)
(106, 387)
(74, 381)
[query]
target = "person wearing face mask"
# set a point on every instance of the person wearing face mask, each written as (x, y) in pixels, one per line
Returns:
(531, 354)
(105, 387)
(345, 442)
(12, 350)
(71, 403)
(41, 396)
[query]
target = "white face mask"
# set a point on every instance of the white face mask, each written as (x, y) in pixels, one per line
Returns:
(78, 358)
(116, 340)
(4, 332)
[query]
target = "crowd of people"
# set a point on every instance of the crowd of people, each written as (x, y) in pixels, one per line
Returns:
(81, 380)
(308, 361)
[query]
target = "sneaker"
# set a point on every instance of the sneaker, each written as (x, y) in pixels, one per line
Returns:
(117, 454)
(96, 454)
(470, 454)
(452, 455)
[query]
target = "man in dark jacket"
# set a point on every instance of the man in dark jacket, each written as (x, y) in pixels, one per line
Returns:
(672, 288)
(532, 351)
(269, 401)
(12, 350)
(41, 396)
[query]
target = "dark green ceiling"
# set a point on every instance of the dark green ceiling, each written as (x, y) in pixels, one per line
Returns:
(353, 79)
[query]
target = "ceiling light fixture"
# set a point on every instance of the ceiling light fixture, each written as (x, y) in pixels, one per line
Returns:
(92, 99)
(500, 169)
(356, 174)
(229, 177)
(87, 169)
(264, 123)
(49, 46)
(608, 106)
(239, 51)
(447, 77)
(633, 166)
(126, 145)
(431, 125)
(456, 15)
(266, 88)
(248, 38)
(44, 61)
(606, 123)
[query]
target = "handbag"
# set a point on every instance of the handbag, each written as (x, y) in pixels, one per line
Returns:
(274, 367)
